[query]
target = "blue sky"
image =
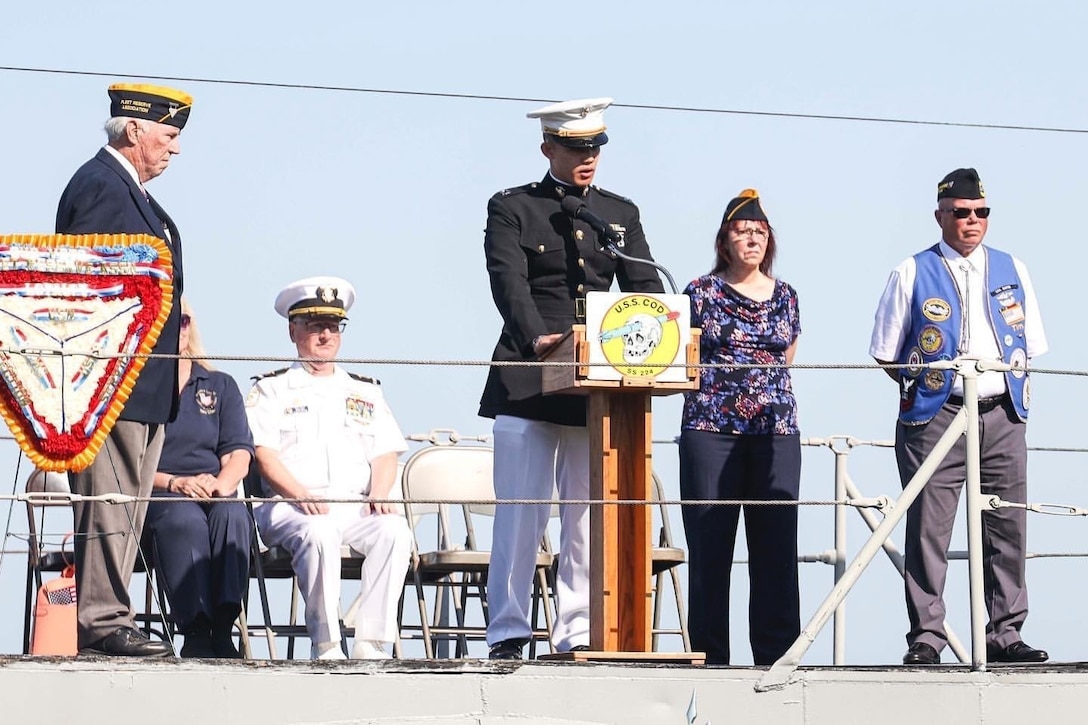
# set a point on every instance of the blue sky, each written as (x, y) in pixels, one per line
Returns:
(390, 190)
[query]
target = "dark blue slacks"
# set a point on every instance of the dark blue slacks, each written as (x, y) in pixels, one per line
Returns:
(202, 554)
(715, 466)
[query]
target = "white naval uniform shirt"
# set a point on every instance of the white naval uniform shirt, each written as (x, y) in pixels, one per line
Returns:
(326, 429)
(893, 321)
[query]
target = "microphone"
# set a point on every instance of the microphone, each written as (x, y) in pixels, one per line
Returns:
(576, 209)
(612, 240)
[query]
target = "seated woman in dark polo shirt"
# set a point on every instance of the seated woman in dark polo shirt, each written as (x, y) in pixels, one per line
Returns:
(201, 546)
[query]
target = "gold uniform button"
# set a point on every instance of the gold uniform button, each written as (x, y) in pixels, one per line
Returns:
(579, 234)
(540, 248)
(581, 262)
(581, 288)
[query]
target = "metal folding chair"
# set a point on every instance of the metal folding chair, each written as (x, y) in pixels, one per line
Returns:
(446, 555)
(666, 561)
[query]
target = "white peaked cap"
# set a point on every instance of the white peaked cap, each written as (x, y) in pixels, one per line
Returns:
(316, 296)
(575, 123)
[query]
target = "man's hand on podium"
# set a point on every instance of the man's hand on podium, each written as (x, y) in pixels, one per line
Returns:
(543, 342)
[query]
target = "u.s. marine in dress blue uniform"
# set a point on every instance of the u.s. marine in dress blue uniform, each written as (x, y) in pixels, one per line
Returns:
(541, 264)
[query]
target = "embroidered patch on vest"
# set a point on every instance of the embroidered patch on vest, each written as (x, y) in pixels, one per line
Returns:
(914, 362)
(1019, 362)
(934, 380)
(930, 339)
(936, 309)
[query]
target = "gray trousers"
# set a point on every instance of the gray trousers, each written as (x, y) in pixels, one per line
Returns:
(108, 535)
(931, 516)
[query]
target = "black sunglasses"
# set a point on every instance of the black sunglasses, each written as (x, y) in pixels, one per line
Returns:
(962, 213)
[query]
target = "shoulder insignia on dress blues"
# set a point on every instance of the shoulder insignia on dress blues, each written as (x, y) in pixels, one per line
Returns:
(612, 195)
(364, 379)
(518, 189)
(272, 374)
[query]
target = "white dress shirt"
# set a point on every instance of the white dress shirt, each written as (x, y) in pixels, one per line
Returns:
(893, 315)
(326, 429)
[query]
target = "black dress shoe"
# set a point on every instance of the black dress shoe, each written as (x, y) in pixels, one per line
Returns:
(579, 648)
(1016, 652)
(199, 645)
(223, 631)
(127, 642)
(921, 653)
(508, 649)
(224, 648)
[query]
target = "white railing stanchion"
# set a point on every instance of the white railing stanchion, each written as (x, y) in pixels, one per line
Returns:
(838, 653)
(779, 674)
(974, 517)
(896, 558)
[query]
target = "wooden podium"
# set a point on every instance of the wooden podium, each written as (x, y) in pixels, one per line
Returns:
(621, 539)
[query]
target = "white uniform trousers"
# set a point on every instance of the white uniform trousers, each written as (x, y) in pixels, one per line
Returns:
(531, 458)
(314, 543)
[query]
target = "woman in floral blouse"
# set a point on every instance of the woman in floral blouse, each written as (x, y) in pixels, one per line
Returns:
(740, 441)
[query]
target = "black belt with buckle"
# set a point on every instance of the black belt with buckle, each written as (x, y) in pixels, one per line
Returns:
(985, 405)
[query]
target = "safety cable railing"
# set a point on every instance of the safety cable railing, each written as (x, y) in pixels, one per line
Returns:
(847, 495)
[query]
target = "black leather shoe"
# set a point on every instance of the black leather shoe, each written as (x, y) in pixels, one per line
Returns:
(224, 648)
(508, 649)
(579, 648)
(1016, 652)
(223, 632)
(198, 645)
(921, 653)
(127, 642)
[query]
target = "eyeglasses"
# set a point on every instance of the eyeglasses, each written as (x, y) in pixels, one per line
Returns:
(751, 233)
(962, 212)
(186, 320)
(316, 327)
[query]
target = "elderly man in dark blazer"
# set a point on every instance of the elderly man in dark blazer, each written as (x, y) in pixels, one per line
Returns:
(107, 196)
(542, 263)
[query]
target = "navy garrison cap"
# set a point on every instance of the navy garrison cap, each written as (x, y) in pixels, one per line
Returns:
(961, 184)
(152, 103)
(745, 206)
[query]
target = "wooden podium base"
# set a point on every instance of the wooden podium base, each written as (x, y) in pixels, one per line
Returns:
(650, 658)
(621, 594)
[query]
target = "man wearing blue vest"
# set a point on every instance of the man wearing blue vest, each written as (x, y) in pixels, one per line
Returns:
(960, 298)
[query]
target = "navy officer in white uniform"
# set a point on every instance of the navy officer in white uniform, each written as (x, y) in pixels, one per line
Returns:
(321, 432)
(960, 298)
(541, 264)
